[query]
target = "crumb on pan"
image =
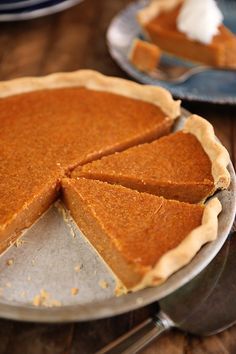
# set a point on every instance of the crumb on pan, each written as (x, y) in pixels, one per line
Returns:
(74, 291)
(22, 294)
(78, 268)
(19, 242)
(72, 231)
(119, 289)
(10, 261)
(66, 217)
(44, 299)
(103, 284)
(139, 301)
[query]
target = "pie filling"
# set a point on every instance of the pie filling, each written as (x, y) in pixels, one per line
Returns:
(130, 230)
(174, 166)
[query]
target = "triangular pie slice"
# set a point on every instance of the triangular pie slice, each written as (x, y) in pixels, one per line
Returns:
(143, 238)
(188, 165)
(50, 125)
(158, 21)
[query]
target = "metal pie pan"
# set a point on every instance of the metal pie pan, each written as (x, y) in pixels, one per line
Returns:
(56, 257)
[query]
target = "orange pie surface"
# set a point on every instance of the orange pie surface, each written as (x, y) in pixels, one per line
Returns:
(174, 166)
(52, 137)
(144, 55)
(44, 134)
(130, 230)
(162, 30)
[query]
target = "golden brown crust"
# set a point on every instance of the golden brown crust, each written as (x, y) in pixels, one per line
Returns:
(154, 8)
(217, 153)
(187, 249)
(95, 81)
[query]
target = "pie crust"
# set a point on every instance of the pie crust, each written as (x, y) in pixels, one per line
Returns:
(95, 81)
(217, 153)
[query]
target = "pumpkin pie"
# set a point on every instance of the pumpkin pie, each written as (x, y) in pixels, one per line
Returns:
(158, 21)
(187, 165)
(142, 238)
(50, 125)
(144, 56)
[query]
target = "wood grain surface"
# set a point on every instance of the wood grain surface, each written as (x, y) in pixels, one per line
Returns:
(64, 42)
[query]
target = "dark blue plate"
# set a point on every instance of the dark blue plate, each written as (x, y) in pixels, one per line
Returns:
(10, 1)
(34, 8)
(216, 86)
(29, 6)
(18, 4)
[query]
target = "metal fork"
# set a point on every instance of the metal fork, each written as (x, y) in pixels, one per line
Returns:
(176, 74)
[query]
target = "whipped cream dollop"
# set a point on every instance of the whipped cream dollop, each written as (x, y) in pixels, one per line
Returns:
(199, 20)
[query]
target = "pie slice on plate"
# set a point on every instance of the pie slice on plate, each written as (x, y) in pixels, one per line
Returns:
(158, 21)
(188, 165)
(50, 125)
(143, 238)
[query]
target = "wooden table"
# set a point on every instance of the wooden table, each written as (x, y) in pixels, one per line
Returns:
(65, 42)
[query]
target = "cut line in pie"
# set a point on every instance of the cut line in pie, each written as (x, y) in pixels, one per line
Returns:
(188, 165)
(50, 125)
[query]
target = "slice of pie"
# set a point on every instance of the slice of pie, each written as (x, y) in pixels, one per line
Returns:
(143, 238)
(188, 165)
(144, 56)
(158, 21)
(50, 125)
